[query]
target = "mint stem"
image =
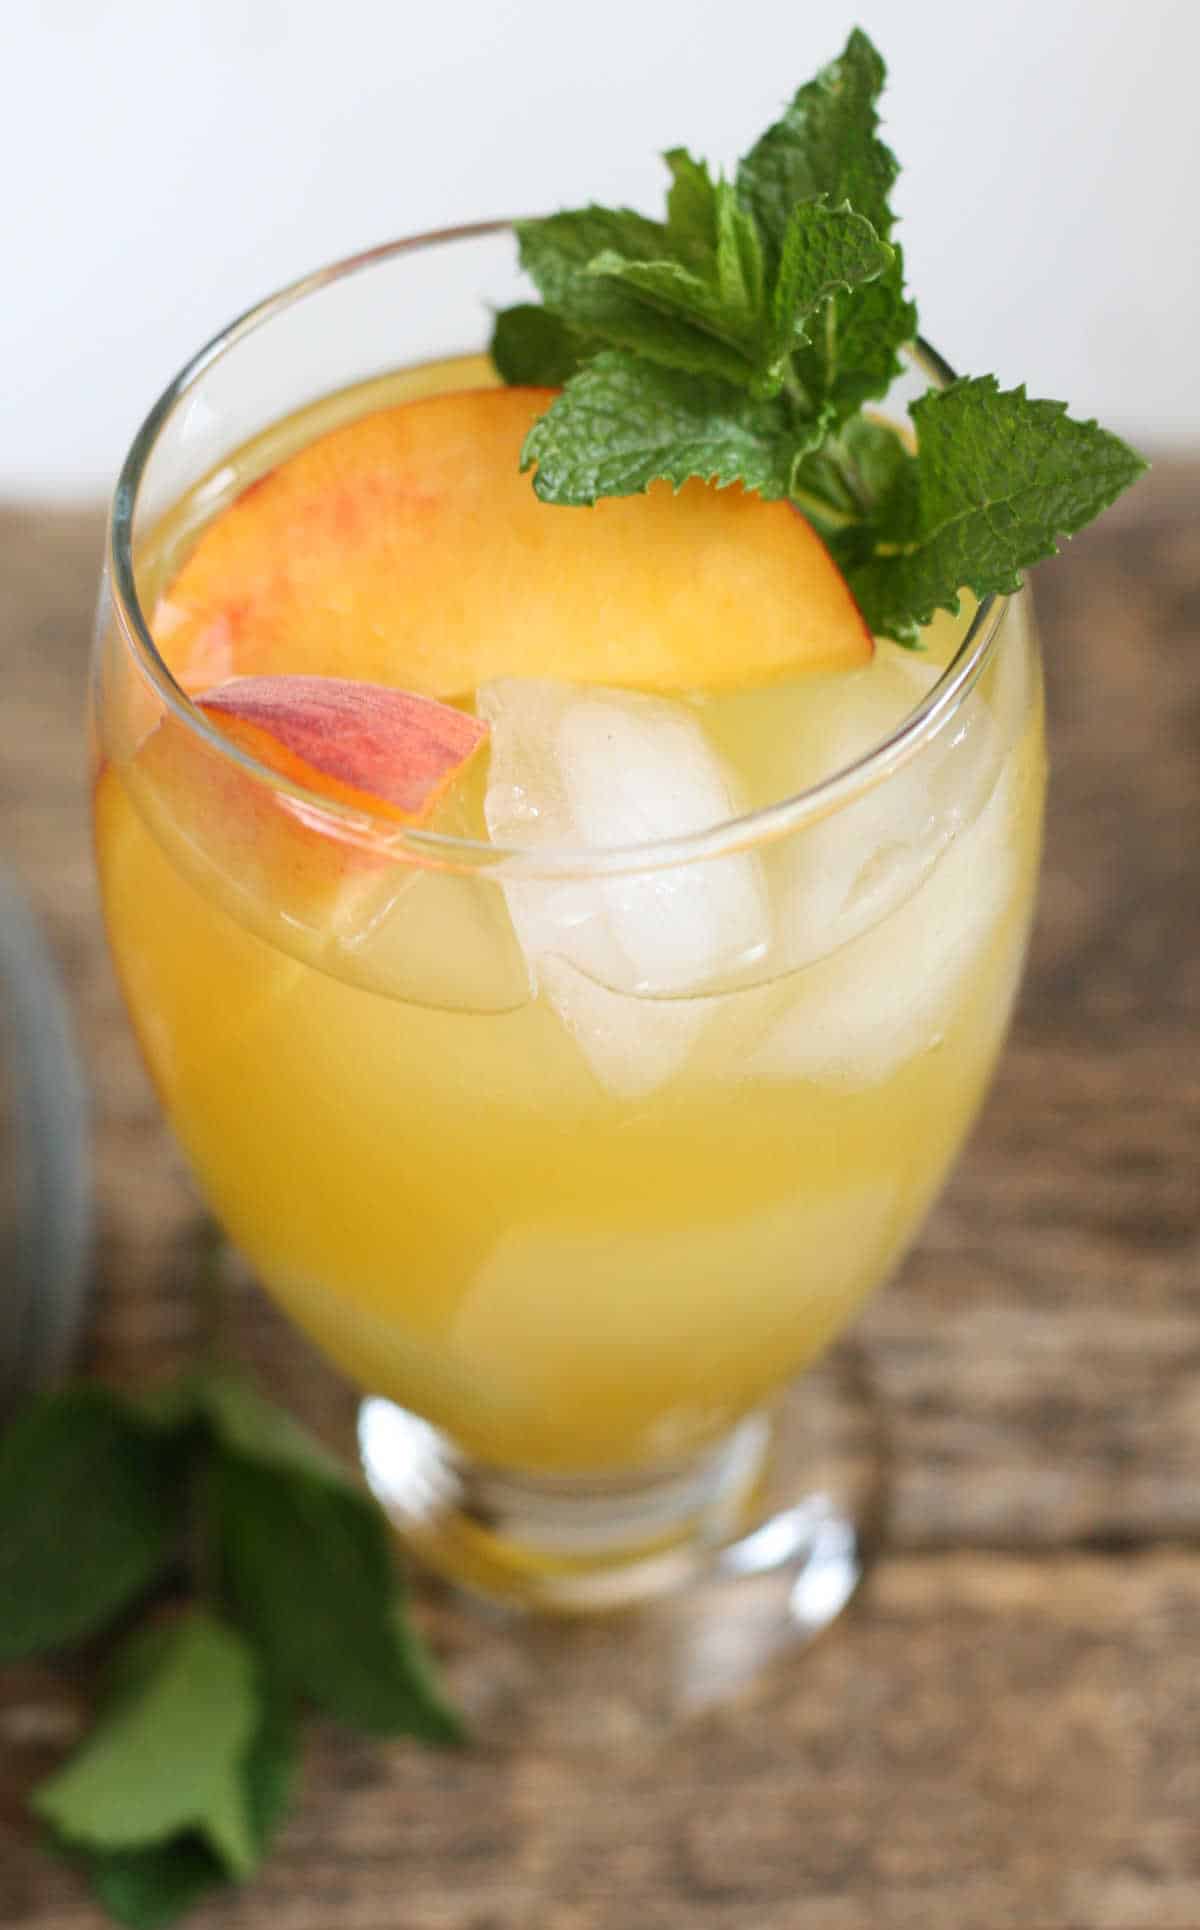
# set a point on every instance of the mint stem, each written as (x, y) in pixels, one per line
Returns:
(848, 475)
(830, 342)
(821, 512)
(796, 390)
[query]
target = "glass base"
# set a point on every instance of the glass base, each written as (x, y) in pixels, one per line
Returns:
(647, 1597)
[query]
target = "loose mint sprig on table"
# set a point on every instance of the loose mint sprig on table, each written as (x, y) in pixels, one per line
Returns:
(738, 339)
(248, 1575)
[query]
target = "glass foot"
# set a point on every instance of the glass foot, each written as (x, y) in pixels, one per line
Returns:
(611, 1605)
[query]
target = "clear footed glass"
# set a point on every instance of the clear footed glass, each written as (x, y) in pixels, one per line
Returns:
(577, 1154)
(694, 1579)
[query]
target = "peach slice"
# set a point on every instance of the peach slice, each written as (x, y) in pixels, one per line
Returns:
(360, 743)
(282, 864)
(406, 547)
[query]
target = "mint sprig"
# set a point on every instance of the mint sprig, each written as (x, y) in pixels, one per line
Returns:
(266, 1579)
(738, 339)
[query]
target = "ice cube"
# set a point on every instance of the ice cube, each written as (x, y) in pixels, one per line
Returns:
(622, 957)
(430, 937)
(856, 1016)
(593, 769)
(686, 1305)
(844, 874)
(633, 1045)
(639, 770)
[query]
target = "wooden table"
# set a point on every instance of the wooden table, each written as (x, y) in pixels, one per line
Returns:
(1006, 1729)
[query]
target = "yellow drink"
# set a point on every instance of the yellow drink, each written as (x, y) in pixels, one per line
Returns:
(584, 1201)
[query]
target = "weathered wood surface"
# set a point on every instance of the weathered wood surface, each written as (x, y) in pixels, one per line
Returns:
(1005, 1730)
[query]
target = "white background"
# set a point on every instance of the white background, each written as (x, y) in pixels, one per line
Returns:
(164, 165)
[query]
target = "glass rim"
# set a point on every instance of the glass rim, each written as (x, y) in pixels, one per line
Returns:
(444, 850)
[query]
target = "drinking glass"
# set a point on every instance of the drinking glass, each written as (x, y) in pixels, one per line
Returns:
(576, 1215)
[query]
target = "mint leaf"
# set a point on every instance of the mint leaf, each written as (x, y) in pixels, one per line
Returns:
(308, 1563)
(691, 208)
(692, 302)
(556, 250)
(740, 270)
(532, 347)
(715, 283)
(621, 424)
(856, 356)
(825, 144)
(167, 1757)
(149, 1888)
(559, 254)
(824, 250)
(613, 276)
(88, 1513)
(997, 479)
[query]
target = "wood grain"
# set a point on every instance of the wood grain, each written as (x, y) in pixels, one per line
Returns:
(1003, 1732)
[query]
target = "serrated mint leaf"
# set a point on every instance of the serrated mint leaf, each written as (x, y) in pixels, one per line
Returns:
(740, 270)
(998, 479)
(714, 289)
(825, 144)
(691, 208)
(622, 424)
(610, 275)
(89, 1502)
(167, 1757)
(555, 251)
(824, 250)
(695, 306)
(633, 310)
(714, 286)
(531, 347)
(558, 254)
(855, 356)
(309, 1566)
